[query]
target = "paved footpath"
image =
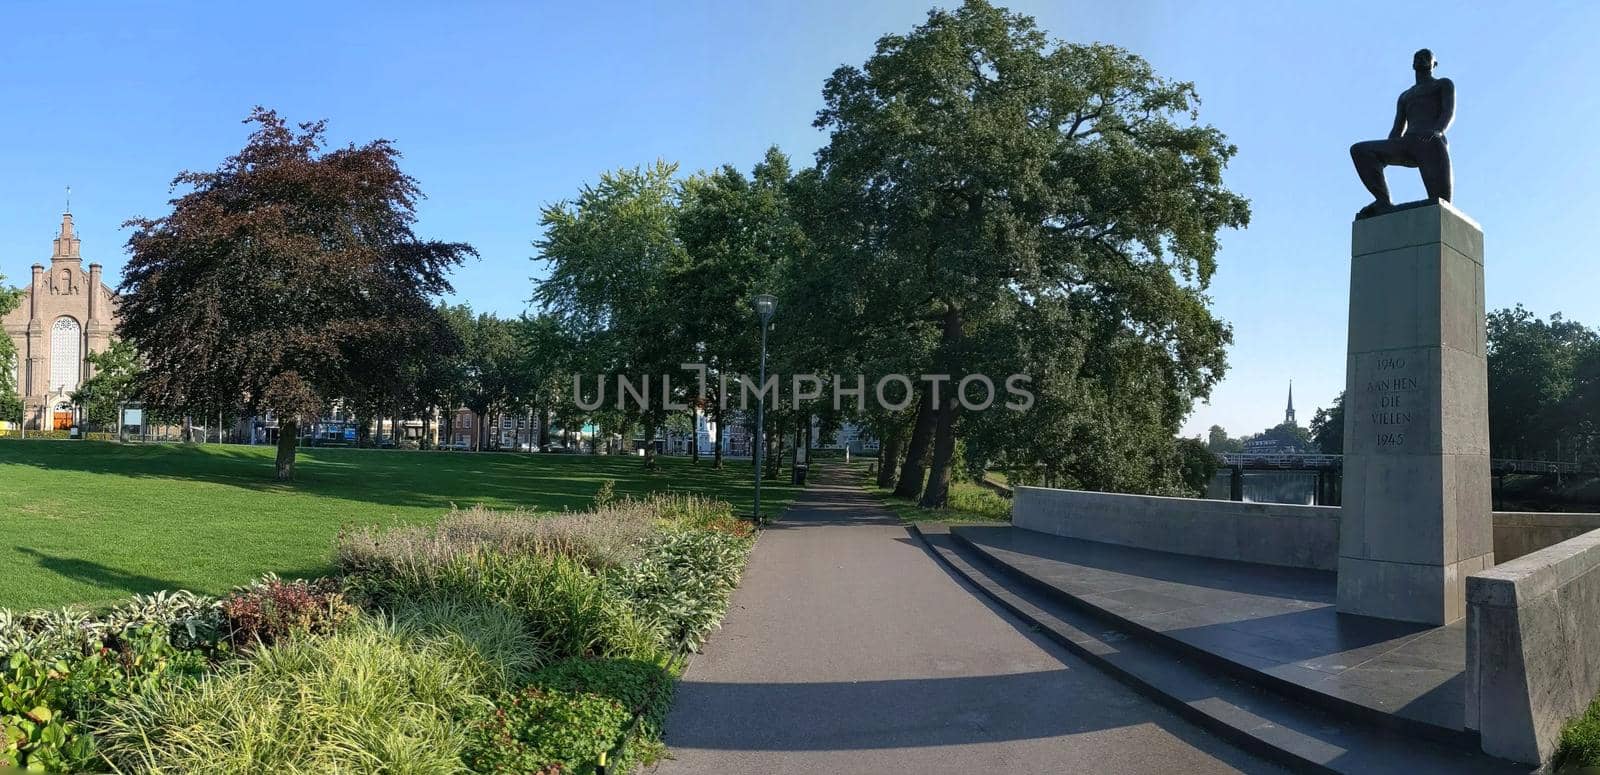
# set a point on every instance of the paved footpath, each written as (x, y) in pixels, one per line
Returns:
(849, 649)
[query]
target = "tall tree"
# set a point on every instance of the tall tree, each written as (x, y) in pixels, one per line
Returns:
(1002, 172)
(116, 369)
(738, 235)
(609, 250)
(275, 273)
(1327, 427)
(1532, 365)
(1218, 440)
(10, 400)
(546, 353)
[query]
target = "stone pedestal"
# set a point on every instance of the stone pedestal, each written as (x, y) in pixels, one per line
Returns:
(1417, 514)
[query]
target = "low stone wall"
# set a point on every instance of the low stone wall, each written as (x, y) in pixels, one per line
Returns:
(1517, 533)
(1533, 647)
(1268, 533)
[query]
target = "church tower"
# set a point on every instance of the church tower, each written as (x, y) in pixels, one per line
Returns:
(67, 313)
(1288, 414)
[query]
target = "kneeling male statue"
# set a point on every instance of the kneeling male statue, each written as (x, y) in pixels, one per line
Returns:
(1421, 117)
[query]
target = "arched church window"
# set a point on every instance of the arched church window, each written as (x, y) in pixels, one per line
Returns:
(66, 355)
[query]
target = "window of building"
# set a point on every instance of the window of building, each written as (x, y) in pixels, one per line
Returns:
(66, 355)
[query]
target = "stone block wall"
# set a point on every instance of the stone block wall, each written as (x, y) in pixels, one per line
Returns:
(1267, 533)
(1533, 647)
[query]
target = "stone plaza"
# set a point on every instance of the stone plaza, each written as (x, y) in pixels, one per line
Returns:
(1314, 634)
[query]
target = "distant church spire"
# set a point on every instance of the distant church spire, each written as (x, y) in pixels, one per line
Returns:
(1288, 414)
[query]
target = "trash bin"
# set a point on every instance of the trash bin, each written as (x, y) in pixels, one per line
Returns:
(799, 477)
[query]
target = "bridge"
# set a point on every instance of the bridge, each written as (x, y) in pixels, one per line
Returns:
(1329, 467)
(1317, 461)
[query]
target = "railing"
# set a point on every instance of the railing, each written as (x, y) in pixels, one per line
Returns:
(1309, 461)
(1284, 460)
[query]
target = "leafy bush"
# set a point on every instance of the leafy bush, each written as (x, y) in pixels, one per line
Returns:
(693, 512)
(44, 704)
(606, 494)
(373, 697)
(547, 731)
(488, 641)
(273, 609)
(564, 606)
(682, 585)
(977, 501)
(643, 688)
(599, 538)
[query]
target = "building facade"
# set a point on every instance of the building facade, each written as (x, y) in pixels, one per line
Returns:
(67, 312)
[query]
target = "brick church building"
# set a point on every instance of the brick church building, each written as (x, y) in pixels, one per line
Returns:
(67, 313)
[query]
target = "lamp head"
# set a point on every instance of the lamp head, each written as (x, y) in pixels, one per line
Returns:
(765, 304)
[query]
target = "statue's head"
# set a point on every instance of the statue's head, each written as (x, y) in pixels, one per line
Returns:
(1423, 60)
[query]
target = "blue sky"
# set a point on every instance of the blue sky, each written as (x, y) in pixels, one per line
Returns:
(501, 108)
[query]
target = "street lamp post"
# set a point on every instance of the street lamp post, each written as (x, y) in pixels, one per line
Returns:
(765, 305)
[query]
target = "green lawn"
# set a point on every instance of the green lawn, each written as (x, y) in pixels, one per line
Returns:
(90, 522)
(969, 502)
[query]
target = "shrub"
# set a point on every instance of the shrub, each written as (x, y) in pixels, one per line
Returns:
(563, 605)
(36, 730)
(643, 688)
(606, 494)
(694, 512)
(371, 698)
(600, 538)
(273, 609)
(487, 641)
(979, 502)
(547, 731)
(682, 585)
(44, 704)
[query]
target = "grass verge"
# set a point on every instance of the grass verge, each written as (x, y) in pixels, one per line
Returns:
(969, 503)
(92, 522)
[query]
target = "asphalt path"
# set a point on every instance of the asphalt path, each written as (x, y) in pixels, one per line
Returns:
(849, 649)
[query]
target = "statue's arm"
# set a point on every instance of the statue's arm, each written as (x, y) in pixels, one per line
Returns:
(1447, 105)
(1399, 118)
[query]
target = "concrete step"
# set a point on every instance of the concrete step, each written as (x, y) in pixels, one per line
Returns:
(1268, 625)
(1263, 722)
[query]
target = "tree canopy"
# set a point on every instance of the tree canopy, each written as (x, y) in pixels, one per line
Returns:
(285, 278)
(10, 400)
(1060, 195)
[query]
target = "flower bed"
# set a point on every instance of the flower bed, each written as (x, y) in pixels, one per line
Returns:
(490, 642)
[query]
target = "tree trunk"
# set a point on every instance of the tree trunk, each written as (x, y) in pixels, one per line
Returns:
(937, 492)
(694, 435)
(287, 432)
(774, 452)
(910, 484)
(544, 429)
(889, 455)
(188, 429)
(716, 439)
(649, 445)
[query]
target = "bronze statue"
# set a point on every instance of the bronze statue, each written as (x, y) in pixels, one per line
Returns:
(1421, 117)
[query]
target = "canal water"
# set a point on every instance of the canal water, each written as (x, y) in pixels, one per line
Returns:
(1297, 487)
